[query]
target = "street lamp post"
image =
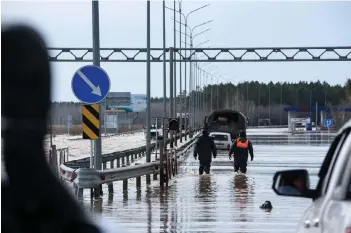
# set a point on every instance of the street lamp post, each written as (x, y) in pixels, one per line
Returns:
(186, 27)
(175, 64)
(180, 71)
(208, 73)
(192, 87)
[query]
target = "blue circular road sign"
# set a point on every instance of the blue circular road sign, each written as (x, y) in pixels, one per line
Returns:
(90, 84)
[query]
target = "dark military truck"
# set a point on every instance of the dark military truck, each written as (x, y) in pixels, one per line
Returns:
(226, 121)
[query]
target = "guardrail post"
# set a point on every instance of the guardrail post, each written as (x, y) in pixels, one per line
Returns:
(167, 167)
(53, 160)
(154, 175)
(110, 186)
(104, 166)
(161, 168)
(128, 163)
(123, 162)
(175, 172)
(118, 162)
(170, 159)
(132, 157)
(125, 187)
(138, 183)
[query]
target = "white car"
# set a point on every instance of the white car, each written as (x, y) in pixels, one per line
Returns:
(223, 141)
(330, 211)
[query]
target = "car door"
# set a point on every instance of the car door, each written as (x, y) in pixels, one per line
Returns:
(337, 209)
(310, 222)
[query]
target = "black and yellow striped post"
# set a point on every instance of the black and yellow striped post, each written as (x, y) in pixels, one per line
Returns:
(91, 121)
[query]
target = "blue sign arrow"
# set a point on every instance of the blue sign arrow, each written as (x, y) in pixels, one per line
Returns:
(90, 84)
(328, 123)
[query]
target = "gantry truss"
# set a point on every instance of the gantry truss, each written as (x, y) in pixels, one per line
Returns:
(259, 54)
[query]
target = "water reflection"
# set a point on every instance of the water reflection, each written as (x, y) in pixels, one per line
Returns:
(241, 197)
(164, 210)
(205, 187)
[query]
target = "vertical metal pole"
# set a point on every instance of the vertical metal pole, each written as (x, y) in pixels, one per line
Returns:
(51, 129)
(227, 96)
(164, 62)
(96, 62)
(269, 99)
(281, 103)
(180, 73)
(217, 94)
(258, 104)
(175, 58)
(117, 123)
(195, 92)
(186, 100)
(105, 116)
(91, 153)
(316, 115)
(211, 93)
(148, 90)
(171, 72)
(247, 100)
(204, 96)
(157, 135)
(191, 91)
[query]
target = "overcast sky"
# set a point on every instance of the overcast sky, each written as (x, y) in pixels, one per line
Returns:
(236, 24)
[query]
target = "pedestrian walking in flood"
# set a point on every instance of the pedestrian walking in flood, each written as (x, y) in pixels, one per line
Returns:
(241, 149)
(204, 148)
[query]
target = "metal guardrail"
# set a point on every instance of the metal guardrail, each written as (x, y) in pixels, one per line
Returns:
(267, 126)
(83, 177)
(111, 135)
(292, 139)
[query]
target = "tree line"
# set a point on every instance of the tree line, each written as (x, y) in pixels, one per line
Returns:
(301, 94)
(267, 100)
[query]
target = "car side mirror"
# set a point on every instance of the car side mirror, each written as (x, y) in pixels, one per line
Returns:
(294, 183)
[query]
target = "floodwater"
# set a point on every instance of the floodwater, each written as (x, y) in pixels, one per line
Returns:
(219, 202)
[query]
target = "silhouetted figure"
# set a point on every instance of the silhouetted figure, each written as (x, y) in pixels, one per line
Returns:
(205, 147)
(33, 199)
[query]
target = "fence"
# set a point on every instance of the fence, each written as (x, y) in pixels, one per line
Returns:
(116, 167)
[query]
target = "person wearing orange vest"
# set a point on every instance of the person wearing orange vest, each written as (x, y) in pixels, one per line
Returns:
(241, 149)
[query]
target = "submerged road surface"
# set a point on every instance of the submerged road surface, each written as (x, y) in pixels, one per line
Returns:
(219, 202)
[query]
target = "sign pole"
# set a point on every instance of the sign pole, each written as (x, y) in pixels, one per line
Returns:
(96, 62)
(156, 139)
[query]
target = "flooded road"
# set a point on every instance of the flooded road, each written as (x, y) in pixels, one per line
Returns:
(219, 202)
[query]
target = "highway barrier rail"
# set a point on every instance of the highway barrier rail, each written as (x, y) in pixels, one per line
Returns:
(116, 167)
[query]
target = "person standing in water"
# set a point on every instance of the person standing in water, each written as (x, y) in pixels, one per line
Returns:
(205, 147)
(241, 149)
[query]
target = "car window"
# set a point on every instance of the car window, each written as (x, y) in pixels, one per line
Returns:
(220, 137)
(334, 153)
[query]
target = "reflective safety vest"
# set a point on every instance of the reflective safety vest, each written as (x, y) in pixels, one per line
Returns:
(241, 144)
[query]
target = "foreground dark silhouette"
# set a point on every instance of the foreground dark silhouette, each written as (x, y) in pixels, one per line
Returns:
(33, 199)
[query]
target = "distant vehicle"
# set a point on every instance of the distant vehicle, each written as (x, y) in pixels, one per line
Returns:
(330, 211)
(226, 121)
(155, 132)
(223, 141)
(264, 122)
